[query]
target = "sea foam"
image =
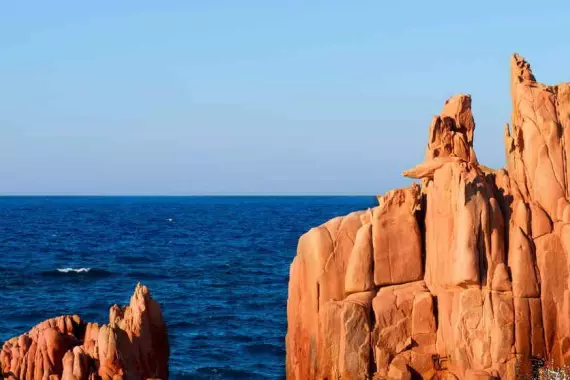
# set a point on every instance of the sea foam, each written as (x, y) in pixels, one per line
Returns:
(76, 270)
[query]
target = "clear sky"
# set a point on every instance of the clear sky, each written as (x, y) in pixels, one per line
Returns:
(253, 97)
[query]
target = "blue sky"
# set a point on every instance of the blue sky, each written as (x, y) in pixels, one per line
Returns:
(253, 97)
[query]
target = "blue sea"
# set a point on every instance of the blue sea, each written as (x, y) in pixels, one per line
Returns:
(218, 266)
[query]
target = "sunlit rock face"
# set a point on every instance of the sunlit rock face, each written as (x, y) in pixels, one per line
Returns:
(464, 276)
(134, 345)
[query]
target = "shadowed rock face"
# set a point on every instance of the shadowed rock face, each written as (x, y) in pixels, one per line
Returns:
(134, 345)
(465, 276)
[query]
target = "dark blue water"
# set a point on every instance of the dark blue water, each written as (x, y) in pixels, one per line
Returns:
(217, 265)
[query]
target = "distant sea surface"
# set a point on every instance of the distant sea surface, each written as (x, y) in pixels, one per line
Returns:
(218, 266)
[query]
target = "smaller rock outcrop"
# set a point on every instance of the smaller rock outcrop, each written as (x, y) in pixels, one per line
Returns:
(134, 345)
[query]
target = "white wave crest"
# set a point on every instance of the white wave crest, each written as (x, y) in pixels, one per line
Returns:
(78, 270)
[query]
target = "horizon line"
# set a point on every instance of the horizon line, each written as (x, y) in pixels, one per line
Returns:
(8, 195)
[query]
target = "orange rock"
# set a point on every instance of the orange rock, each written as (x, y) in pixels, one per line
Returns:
(354, 350)
(469, 272)
(553, 266)
(138, 339)
(461, 221)
(541, 223)
(76, 364)
(39, 353)
(303, 303)
(396, 238)
(423, 319)
(405, 319)
(501, 280)
(399, 371)
(522, 264)
(360, 268)
(66, 348)
(427, 168)
(327, 345)
(451, 133)
(478, 375)
(537, 144)
(331, 281)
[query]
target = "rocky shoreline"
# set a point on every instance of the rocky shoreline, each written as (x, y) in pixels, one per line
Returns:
(465, 276)
(134, 345)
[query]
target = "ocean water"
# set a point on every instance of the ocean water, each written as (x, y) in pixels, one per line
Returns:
(217, 265)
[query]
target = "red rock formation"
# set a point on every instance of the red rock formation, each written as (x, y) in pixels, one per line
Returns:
(463, 277)
(133, 346)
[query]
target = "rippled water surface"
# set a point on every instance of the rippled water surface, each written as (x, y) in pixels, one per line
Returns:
(217, 265)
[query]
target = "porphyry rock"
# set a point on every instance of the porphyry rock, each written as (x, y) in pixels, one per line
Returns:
(396, 238)
(133, 346)
(465, 276)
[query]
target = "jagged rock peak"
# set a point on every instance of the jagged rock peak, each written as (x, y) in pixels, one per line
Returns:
(520, 69)
(451, 133)
(133, 346)
(468, 278)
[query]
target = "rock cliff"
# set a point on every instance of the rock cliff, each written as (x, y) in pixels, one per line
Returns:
(134, 345)
(464, 276)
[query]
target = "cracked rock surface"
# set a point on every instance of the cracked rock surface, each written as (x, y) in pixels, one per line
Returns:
(134, 345)
(464, 276)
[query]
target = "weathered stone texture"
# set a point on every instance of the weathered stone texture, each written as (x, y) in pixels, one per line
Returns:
(134, 345)
(465, 276)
